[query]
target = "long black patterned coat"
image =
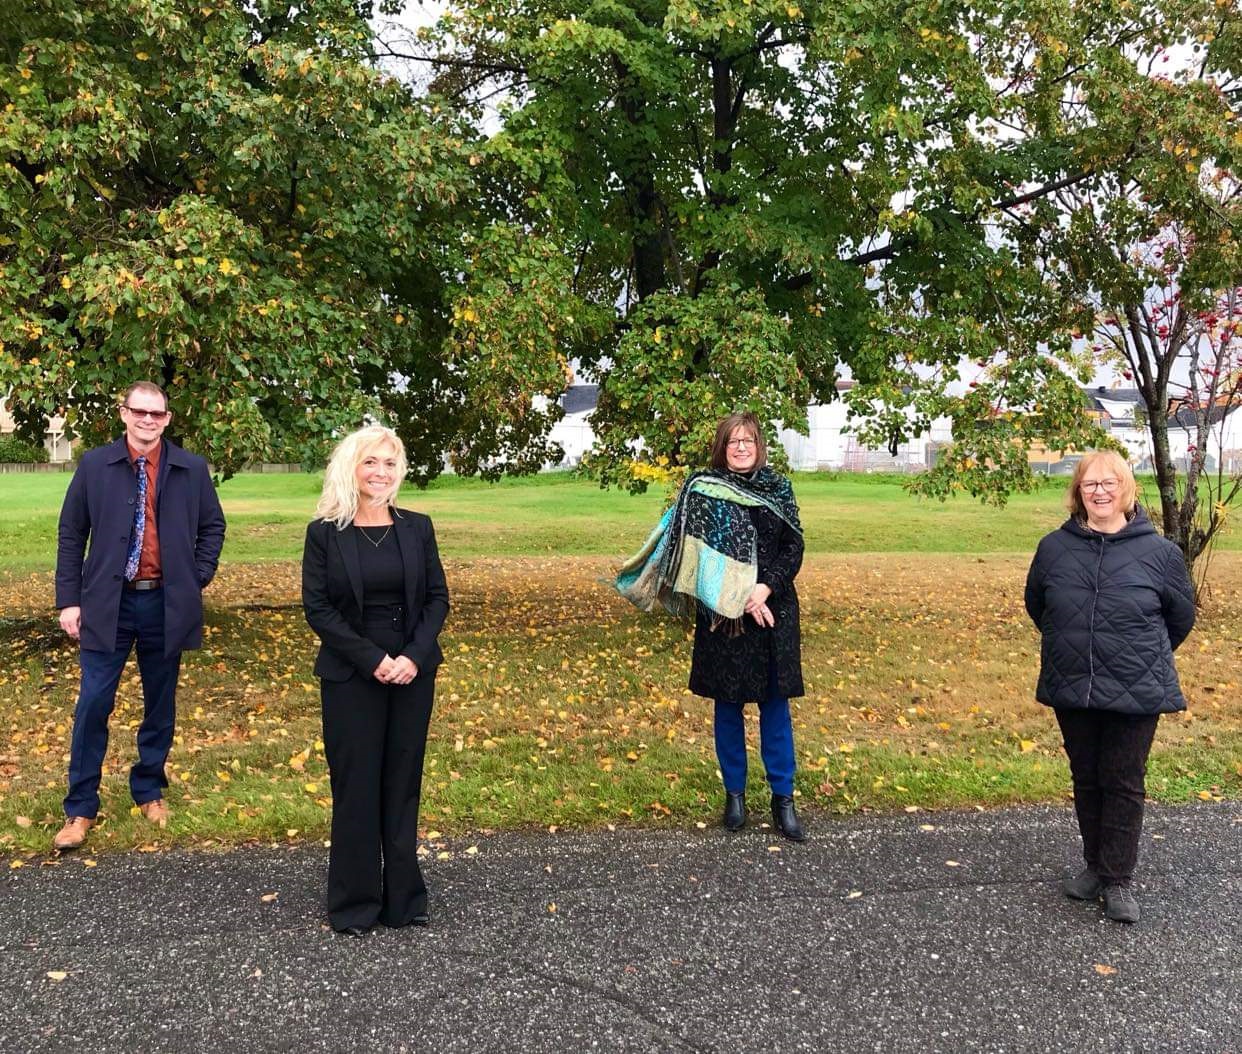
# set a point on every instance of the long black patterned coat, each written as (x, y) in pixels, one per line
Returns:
(735, 668)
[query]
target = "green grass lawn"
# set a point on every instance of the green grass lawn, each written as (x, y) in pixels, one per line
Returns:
(561, 514)
(560, 705)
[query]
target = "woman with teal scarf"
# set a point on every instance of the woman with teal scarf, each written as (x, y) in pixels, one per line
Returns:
(728, 551)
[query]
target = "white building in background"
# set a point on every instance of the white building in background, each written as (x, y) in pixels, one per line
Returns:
(55, 442)
(828, 446)
(1125, 414)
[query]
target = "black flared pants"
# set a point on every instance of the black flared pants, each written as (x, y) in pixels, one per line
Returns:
(375, 736)
(1108, 763)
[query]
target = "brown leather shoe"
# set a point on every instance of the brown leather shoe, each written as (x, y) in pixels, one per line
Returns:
(73, 834)
(155, 811)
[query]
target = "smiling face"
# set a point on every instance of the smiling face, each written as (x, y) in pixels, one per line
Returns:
(1104, 492)
(742, 451)
(1098, 493)
(377, 475)
(143, 430)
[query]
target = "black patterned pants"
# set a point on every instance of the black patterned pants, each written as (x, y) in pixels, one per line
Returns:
(1108, 762)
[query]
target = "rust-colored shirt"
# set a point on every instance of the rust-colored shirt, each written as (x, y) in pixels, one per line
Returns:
(149, 558)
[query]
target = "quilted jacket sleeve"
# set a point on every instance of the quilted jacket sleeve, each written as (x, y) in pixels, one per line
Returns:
(1177, 598)
(1033, 597)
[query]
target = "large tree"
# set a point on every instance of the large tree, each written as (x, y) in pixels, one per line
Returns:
(735, 201)
(229, 198)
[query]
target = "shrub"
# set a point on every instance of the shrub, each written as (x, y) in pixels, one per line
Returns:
(18, 451)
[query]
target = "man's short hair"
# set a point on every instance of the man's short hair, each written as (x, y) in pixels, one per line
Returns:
(144, 386)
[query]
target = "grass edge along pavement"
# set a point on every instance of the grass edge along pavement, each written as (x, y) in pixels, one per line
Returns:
(565, 708)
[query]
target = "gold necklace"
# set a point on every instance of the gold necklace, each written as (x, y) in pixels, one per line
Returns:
(372, 540)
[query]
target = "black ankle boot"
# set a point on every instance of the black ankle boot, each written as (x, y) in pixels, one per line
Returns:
(785, 818)
(735, 810)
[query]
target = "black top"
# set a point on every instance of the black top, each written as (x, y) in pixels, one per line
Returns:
(383, 571)
(735, 668)
(1112, 609)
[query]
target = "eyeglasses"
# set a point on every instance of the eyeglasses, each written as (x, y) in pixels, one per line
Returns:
(153, 415)
(735, 443)
(1092, 485)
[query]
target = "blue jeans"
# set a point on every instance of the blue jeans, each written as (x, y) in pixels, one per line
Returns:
(776, 744)
(141, 620)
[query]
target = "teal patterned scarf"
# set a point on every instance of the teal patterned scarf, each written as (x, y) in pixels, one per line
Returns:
(703, 550)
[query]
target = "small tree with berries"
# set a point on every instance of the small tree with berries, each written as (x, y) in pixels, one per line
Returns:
(1180, 342)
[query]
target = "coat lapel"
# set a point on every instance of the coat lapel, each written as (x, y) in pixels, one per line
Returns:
(348, 542)
(412, 558)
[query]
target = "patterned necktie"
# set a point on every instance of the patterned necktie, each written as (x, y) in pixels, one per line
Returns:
(140, 520)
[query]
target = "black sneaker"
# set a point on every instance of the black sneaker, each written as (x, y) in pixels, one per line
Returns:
(1120, 905)
(1085, 885)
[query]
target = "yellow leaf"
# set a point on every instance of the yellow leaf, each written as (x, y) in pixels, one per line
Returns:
(1026, 745)
(1104, 970)
(267, 898)
(227, 266)
(22, 821)
(15, 864)
(1205, 795)
(57, 975)
(141, 56)
(311, 788)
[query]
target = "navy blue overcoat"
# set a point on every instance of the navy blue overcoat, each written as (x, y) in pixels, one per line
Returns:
(99, 507)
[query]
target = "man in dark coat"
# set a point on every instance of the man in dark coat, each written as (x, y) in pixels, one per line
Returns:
(156, 529)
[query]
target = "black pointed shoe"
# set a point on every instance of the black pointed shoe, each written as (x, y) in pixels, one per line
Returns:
(735, 811)
(1085, 885)
(785, 818)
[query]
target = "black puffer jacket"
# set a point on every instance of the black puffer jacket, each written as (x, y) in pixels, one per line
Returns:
(1112, 609)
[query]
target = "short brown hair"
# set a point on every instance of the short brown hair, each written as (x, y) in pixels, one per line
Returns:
(144, 386)
(720, 445)
(1127, 489)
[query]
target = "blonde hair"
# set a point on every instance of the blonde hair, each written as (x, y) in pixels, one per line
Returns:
(1127, 489)
(338, 503)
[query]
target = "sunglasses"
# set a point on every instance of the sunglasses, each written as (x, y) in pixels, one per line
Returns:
(151, 415)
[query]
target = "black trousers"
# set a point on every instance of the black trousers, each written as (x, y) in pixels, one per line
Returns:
(1108, 763)
(375, 736)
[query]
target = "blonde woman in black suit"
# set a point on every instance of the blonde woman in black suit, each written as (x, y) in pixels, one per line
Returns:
(374, 592)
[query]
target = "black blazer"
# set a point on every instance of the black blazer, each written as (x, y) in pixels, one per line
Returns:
(332, 597)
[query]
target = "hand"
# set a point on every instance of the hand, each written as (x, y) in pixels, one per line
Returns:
(404, 670)
(71, 621)
(759, 599)
(762, 614)
(384, 671)
(759, 595)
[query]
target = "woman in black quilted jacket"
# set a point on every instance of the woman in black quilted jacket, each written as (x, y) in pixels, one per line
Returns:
(1113, 601)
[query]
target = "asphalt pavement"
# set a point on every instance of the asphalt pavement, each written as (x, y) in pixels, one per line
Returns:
(921, 932)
